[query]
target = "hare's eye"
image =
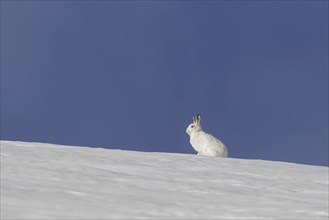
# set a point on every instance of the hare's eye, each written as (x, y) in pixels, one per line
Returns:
(192, 126)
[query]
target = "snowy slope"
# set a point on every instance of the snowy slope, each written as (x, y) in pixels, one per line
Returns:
(44, 181)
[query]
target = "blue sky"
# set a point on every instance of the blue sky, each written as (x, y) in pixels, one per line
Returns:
(130, 75)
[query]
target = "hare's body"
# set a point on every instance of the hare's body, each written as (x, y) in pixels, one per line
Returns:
(203, 143)
(206, 144)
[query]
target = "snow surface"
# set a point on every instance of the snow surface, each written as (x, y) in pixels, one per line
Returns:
(45, 181)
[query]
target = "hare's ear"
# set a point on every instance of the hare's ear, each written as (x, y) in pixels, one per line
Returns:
(198, 118)
(194, 119)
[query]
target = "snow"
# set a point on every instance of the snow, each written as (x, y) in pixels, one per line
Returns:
(45, 181)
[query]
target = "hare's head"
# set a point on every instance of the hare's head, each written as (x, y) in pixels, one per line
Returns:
(195, 126)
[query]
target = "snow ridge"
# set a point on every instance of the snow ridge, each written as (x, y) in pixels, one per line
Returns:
(45, 181)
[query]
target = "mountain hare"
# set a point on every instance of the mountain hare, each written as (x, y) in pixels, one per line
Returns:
(203, 143)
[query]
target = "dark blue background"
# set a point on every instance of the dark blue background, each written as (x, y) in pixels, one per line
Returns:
(130, 75)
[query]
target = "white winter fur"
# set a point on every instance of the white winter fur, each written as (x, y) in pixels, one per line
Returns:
(203, 143)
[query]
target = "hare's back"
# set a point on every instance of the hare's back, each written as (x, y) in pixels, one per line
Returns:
(216, 146)
(211, 140)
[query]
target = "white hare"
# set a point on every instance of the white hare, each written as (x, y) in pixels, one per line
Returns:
(203, 143)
